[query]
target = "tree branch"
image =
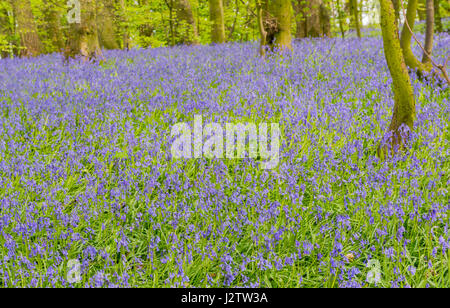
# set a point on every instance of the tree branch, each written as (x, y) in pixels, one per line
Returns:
(442, 68)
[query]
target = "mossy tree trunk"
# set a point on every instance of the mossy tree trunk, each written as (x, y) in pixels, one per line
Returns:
(186, 27)
(83, 37)
(396, 4)
(217, 19)
(26, 28)
(107, 36)
(406, 37)
(274, 20)
(404, 102)
(429, 35)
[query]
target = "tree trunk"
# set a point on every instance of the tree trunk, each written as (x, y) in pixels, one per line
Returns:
(275, 20)
(186, 21)
(325, 20)
(217, 19)
(404, 106)
(312, 19)
(341, 18)
(437, 15)
(429, 35)
(123, 25)
(26, 28)
(405, 40)
(354, 8)
(83, 37)
(105, 24)
(396, 4)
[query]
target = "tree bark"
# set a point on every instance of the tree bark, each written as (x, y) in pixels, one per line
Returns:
(105, 24)
(83, 37)
(185, 16)
(275, 20)
(404, 102)
(26, 28)
(429, 35)
(396, 4)
(217, 19)
(405, 40)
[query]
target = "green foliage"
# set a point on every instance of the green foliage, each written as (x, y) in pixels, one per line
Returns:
(153, 23)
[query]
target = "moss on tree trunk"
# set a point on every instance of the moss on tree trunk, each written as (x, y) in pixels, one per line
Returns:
(217, 19)
(83, 37)
(105, 24)
(404, 106)
(406, 37)
(186, 27)
(275, 24)
(429, 35)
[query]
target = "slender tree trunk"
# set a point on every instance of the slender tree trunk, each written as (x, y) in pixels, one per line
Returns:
(276, 23)
(26, 28)
(325, 20)
(437, 15)
(105, 24)
(429, 35)
(83, 37)
(262, 31)
(354, 5)
(341, 19)
(405, 40)
(233, 27)
(185, 16)
(170, 5)
(217, 19)
(123, 24)
(404, 106)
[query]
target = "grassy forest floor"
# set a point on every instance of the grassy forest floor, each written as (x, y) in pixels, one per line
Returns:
(86, 171)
